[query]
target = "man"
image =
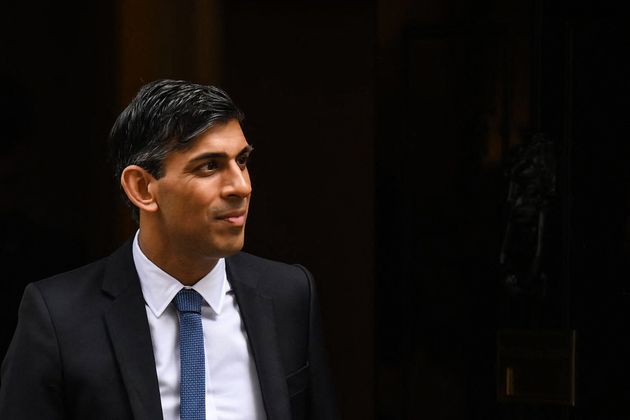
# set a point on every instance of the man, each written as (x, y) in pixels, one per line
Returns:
(177, 323)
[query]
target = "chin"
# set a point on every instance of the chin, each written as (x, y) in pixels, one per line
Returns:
(232, 248)
(230, 252)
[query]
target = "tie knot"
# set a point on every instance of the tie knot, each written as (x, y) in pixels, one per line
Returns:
(188, 300)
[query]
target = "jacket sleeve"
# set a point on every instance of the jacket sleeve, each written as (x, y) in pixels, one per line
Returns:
(323, 404)
(31, 378)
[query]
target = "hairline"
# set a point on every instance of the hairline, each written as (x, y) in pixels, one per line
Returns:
(176, 145)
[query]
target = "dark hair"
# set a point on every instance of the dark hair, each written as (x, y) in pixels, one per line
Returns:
(165, 115)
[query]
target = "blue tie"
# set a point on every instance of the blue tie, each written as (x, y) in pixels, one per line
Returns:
(193, 381)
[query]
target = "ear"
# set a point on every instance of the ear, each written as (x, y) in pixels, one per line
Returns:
(136, 182)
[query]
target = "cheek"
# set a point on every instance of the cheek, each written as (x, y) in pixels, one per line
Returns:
(191, 202)
(180, 209)
(201, 208)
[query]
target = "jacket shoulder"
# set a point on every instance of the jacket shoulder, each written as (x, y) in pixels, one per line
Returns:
(76, 279)
(259, 263)
(272, 277)
(92, 283)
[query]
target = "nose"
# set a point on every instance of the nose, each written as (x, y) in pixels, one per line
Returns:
(237, 183)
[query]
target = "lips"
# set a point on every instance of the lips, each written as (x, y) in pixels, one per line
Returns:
(236, 218)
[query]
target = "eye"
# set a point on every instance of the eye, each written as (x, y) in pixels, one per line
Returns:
(242, 160)
(211, 165)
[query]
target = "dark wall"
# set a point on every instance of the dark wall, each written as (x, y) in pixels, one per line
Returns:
(56, 108)
(459, 85)
(596, 136)
(454, 81)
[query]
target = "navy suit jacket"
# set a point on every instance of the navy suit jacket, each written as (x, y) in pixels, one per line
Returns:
(82, 348)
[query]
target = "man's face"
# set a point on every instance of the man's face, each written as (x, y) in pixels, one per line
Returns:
(204, 194)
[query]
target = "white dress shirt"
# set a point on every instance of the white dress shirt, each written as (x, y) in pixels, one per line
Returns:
(232, 387)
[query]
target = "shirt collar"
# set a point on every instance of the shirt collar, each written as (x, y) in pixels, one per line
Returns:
(159, 288)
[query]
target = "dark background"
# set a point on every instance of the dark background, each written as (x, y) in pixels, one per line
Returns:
(383, 131)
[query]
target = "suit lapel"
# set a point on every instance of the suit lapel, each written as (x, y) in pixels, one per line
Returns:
(257, 314)
(129, 332)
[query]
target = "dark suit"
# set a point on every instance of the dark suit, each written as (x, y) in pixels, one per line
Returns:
(82, 348)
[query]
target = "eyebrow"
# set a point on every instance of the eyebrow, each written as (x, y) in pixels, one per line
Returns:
(220, 155)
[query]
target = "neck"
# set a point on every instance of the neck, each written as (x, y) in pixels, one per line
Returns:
(185, 269)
